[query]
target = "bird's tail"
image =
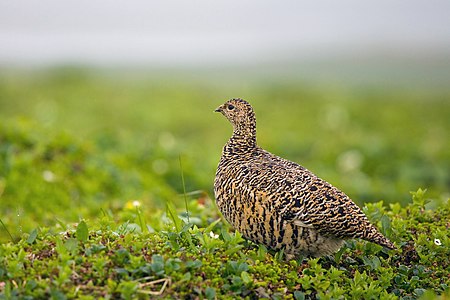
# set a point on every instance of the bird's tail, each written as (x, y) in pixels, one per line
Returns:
(374, 236)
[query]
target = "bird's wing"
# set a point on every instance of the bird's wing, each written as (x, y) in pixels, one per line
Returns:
(312, 202)
(301, 197)
(329, 211)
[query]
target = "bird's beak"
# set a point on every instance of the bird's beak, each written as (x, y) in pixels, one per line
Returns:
(219, 109)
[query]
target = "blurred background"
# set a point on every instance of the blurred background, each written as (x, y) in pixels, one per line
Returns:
(100, 100)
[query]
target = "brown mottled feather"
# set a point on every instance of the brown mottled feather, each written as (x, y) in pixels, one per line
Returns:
(279, 203)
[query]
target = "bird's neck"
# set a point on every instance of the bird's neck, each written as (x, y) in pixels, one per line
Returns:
(241, 142)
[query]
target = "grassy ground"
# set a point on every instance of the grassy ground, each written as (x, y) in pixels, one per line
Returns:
(110, 259)
(78, 145)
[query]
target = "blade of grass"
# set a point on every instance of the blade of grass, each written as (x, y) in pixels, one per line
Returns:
(170, 209)
(7, 231)
(141, 222)
(184, 189)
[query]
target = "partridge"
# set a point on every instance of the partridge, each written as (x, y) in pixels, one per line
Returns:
(278, 203)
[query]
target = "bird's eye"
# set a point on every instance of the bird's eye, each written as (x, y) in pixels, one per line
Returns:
(230, 107)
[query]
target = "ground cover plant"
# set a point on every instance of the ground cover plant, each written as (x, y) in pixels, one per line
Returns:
(109, 259)
(93, 203)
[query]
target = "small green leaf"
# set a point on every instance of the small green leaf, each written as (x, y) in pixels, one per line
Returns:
(246, 277)
(82, 232)
(157, 265)
(193, 264)
(385, 225)
(233, 249)
(298, 295)
(33, 236)
(211, 226)
(57, 295)
(186, 277)
(338, 255)
(71, 245)
(30, 285)
(262, 251)
(373, 262)
(210, 293)
(60, 246)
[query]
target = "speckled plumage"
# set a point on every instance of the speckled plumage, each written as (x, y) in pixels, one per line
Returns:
(279, 203)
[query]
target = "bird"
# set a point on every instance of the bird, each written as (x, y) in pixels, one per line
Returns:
(279, 203)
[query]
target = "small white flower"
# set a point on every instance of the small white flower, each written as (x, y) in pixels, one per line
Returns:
(437, 242)
(212, 235)
(48, 176)
(136, 203)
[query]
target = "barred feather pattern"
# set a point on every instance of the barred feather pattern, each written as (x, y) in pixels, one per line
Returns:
(279, 203)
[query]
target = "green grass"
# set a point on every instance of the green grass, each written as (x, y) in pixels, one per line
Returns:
(81, 145)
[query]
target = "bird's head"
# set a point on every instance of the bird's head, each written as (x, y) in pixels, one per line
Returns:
(240, 114)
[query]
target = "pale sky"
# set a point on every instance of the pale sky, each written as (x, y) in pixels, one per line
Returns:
(173, 32)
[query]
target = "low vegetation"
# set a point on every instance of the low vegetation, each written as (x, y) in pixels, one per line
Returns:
(198, 258)
(93, 203)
